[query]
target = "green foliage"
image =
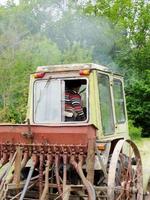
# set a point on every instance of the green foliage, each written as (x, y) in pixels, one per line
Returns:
(42, 32)
(23, 47)
(134, 132)
(131, 23)
(138, 95)
(76, 54)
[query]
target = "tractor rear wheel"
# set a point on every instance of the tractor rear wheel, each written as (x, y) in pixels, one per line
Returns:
(125, 172)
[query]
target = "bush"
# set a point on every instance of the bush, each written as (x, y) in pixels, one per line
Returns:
(134, 132)
(138, 106)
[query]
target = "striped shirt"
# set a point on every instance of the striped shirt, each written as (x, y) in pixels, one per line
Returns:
(73, 105)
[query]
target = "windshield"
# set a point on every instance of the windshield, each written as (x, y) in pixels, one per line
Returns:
(59, 100)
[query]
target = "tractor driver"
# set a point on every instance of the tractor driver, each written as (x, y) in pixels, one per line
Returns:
(73, 107)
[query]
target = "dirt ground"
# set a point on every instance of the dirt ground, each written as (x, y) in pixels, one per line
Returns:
(144, 147)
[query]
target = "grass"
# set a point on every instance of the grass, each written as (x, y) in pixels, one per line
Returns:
(143, 145)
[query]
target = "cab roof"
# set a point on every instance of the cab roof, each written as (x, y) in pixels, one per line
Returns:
(73, 67)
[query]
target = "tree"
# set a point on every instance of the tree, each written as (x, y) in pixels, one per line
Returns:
(40, 32)
(130, 21)
(76, 54)
(24, 45)
(138, 95)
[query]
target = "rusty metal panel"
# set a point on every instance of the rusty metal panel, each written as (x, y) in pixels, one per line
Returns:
(47, 134)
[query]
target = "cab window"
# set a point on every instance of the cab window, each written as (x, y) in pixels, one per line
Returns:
(60, 100)
(47, 102)
(119, 101)
(75, 100)
(105, 104)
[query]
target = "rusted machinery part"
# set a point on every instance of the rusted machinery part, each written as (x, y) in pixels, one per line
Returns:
(24, 160)
(64, 169)
(129, 174)
(85, 181)
(4, 168)
(45, 190)
(23, 163)
(34, 162)
(57, 175)
(41, 174)
(59, 149)
(4, 159)
(34, 180)
(3, 180)
(11, 158)
(78, 167)
(64, 172)
(17, 195)
(10, 163)
(7, 152)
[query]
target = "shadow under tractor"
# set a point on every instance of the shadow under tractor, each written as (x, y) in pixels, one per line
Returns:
(58, 155)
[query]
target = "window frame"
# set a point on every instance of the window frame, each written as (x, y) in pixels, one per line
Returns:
(87, 99)
(123, 97)
(62, 100)
(111, 104)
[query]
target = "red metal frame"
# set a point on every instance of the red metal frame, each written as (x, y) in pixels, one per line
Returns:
(75, 135)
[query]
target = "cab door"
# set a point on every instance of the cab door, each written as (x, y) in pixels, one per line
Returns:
(119, 106)
(106, 105)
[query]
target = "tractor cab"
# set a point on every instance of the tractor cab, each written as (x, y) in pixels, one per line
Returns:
(101, 92)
